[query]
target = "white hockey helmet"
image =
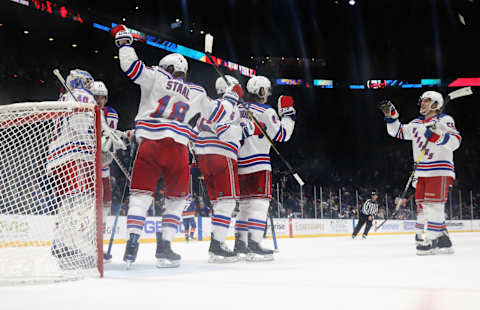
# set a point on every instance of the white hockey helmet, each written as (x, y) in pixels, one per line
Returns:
(221, 85)
(178, 62)
(260, 86)
(79, 79)
(99, 89)
(434, 97)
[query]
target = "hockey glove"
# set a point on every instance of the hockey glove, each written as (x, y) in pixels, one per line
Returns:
(285, 107)
(111, 141)
(122, 35)
(436, 135)
(388, 109)
(233, 92)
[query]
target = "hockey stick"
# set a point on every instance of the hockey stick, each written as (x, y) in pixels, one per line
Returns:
(385, 220)
(274, 235)
(56, 72)
(208, 53)
(108, 255)
(462, 92)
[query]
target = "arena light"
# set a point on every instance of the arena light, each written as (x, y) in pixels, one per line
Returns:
(74, 45)
(351, 2)
(25, 32)
(50, 39)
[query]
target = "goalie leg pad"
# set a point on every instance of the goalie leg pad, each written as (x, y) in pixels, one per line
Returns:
(171, 217)
(138, 206)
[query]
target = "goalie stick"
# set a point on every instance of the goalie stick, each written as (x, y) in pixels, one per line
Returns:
(208, 53)
(462, 92)
(56, 72)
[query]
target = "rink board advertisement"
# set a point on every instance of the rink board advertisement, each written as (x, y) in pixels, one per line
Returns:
(285, 228)
(39, 230)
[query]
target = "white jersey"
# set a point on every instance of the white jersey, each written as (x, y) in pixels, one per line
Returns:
(72, 137)
(167, 104)
(111, 117)
(254, 155)
(438, 158)
(222, 140)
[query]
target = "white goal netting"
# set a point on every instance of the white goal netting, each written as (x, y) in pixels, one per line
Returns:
(50, 197)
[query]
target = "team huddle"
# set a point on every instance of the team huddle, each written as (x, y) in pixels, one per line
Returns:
(226, 136)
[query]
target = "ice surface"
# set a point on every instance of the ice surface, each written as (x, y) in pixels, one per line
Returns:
(381, 272)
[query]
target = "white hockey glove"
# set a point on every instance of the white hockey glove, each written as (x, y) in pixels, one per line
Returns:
(234, 92)
(107, 158)
(388, 109)
(285, 107)
(112, 141)
(122, 35)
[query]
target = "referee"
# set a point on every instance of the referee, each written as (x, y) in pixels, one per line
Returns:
(366, 214)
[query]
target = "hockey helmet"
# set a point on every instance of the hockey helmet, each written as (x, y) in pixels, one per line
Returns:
(434, 97)
(221, 85)
(99, 89)
(79, 79)
(260, 86)
(177, 61)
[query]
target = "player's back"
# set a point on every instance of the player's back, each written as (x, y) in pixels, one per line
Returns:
(168, 106)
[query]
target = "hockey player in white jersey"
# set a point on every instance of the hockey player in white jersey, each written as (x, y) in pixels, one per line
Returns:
(100, 93)
(68, 166)
(217, 161)
(435, 171)
(167, 104)
(254, 169)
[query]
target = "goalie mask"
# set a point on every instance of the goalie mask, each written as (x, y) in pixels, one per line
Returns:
(434, 97)
(176, 61)
(260, 86)
(99, 89)
(79, 79)
(221, 85)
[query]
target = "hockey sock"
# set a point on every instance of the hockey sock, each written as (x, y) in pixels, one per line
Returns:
(420, 224)
(435, 215)
(241, 221)
(222, 212)
(138, 206)
(171, 217)
(257, 218)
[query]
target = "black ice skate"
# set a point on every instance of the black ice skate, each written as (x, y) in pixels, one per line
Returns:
(131, 250)
(187, 237)
(70, 258)
(166, 258)
(192, 237)
(364, 236)
(418, 239)
(257, 253)
(240, 248)
(443, 245)
(425, 247)
(220, 253)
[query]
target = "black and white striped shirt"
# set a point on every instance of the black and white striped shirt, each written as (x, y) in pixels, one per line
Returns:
(370, 208)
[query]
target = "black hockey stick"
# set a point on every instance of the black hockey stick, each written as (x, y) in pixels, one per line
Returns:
(208, 51)
(274, 235)
(462, 92)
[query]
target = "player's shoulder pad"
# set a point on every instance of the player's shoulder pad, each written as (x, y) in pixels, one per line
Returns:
(195, 87)
(162, 72)
(259, 107)
(445, 118)
(417, 120)
(110, 109)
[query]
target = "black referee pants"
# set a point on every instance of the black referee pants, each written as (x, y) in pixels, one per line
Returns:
(363, 218)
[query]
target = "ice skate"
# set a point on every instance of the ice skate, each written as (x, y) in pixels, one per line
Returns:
(257, 253)
(70, 258)
(166, 258)
(187, 238)
(192, 237)
(364, 236)
(425, 247)
(220, 253)
(240, 248)
(131, 250)
(444, 245)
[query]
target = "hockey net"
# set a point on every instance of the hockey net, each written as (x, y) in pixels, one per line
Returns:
(50, 192)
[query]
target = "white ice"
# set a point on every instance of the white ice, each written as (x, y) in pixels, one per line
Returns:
(381, 272)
